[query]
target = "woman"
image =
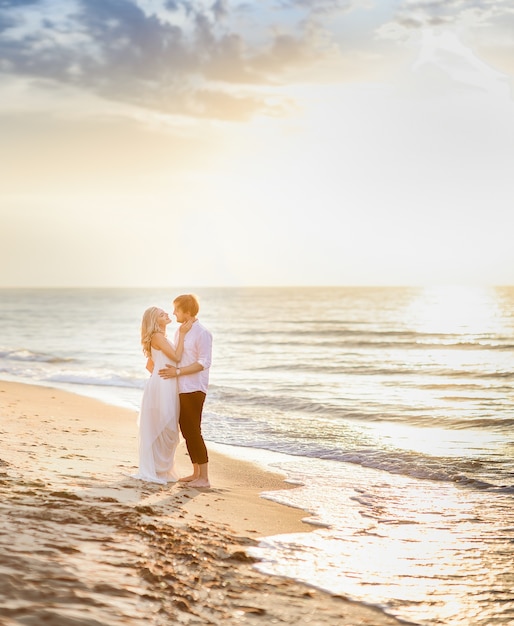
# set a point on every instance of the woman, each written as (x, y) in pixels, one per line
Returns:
(158, 418)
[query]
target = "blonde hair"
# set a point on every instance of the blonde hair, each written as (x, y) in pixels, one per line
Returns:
(149, 326)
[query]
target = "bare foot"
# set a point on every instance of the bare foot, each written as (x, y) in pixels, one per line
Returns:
(187, 479)
(200, 482)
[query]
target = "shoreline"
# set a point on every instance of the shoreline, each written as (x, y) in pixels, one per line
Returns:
(86, 544)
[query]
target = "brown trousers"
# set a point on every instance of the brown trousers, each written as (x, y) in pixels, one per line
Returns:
(191, 405)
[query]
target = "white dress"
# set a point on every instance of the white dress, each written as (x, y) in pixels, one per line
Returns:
(159, 433)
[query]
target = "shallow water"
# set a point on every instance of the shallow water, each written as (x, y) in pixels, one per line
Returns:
(393, 407)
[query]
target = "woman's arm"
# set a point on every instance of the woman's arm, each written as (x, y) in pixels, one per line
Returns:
(175, 354)
(160, 342)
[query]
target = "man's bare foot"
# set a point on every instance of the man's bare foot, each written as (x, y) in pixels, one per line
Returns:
(200, 482)
(187, 479)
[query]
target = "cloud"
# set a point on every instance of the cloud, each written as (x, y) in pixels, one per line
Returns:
(6, 4)
(6, 22)
(185, 57)
(419, 13)
(485, 25)
(220, 9)
(220, 58)
(319, 6)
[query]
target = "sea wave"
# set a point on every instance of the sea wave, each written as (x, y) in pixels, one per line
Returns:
(417, 370)
(306, 335)
(26, 355)
(477, 473)
(341, 410)
(100, 380)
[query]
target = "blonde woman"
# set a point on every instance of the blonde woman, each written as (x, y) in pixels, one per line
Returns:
(158, 417)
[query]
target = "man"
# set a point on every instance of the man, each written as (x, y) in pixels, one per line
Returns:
(192, 375)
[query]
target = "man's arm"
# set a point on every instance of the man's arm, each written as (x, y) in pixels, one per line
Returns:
(203, 361)
(170, 371)
(204, 350)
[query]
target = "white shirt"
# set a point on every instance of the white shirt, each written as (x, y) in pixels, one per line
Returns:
(197, 349)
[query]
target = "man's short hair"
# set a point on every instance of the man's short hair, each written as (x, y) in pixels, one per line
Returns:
(188, 303)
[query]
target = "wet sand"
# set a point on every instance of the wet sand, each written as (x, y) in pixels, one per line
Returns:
(82, 543)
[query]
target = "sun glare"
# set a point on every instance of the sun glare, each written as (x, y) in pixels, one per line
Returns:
(452, 310)
(437, 442)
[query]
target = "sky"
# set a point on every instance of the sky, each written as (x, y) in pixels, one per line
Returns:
(280, 142)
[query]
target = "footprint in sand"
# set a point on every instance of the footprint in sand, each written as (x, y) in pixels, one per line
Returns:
(65, 495)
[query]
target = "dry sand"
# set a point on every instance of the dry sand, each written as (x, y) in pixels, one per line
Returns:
(81, 543)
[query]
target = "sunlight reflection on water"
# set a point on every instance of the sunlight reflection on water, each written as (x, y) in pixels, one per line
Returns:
(456, 309)
(420, 550)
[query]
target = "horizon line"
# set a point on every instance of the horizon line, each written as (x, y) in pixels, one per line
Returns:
(263, 286)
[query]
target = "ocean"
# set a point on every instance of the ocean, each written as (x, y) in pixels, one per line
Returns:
(391, 409)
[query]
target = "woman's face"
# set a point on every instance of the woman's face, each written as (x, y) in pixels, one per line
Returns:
(163, 318)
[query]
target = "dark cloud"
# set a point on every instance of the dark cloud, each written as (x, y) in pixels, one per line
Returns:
(12, 4)
(129, 43)
(318, 6)
(6, 19)
(172, 5)
(121, 52)
(220, 9)
(6, 22)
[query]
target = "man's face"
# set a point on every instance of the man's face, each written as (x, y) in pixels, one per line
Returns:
(180, 315)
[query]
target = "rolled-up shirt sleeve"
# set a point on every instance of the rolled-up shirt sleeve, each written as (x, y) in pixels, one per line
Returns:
(205, 350)
(197, 349)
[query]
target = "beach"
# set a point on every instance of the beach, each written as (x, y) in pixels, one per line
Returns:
(386, 425)
(83, 543)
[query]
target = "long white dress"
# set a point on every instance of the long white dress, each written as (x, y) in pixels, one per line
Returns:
(159, 433)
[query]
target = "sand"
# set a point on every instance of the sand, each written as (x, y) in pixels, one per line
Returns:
(82, 543)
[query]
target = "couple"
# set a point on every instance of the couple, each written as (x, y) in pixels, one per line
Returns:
(174, 394)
